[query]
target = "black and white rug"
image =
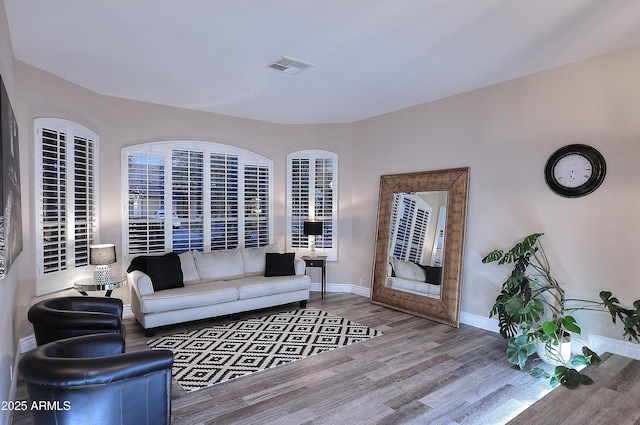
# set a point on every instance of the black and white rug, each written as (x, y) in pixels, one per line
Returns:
(212, 355)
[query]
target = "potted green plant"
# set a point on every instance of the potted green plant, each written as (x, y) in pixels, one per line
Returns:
(534, 314)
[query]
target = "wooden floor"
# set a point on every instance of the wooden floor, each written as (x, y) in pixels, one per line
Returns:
(419, 372)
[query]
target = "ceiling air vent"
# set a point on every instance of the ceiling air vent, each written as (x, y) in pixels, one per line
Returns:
(289, 65)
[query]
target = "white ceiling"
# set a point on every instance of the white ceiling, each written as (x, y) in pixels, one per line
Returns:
(370, 56)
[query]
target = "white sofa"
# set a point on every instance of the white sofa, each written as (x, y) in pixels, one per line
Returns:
(411, 277)
(213, 284)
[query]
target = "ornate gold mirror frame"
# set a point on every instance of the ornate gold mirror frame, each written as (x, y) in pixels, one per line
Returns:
(446, 307)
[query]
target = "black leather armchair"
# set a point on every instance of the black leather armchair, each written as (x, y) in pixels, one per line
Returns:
(65, 317)
(88, 380)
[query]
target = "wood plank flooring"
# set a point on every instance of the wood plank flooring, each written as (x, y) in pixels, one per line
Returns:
(418, 372)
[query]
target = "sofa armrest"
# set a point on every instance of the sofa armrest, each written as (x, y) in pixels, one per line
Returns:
(140, 282)
(299, 265)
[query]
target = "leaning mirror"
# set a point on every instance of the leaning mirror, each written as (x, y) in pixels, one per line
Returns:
(420, 243)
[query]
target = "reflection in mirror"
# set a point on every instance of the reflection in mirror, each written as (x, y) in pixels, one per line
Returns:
(416, 242)
(420, 239)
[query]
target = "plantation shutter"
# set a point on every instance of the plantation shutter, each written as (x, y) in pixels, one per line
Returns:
(67, 214)
(187, 192)
(300, 189)
(224, 201)
(210, 197)
(324, 201)
(409, 224)
(312, 193)
(256, 206)
(83, 198)
(54, 200)
(145, 181)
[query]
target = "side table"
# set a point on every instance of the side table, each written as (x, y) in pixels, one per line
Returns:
(318, 261)
(88, 284)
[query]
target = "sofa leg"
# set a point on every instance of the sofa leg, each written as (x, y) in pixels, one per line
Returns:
(235, 316)
(303, 303)
(149, 332)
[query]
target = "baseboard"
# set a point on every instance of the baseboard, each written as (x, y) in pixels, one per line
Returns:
(342, 287)
(599, 344)
(27, 343)
(126, 311)
(481, 322)
(603, 344)
(361, 290)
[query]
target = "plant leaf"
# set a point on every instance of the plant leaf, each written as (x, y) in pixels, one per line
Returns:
(585, 379)
(568, 377)
(537, 372)
(569, 323)
(578, 360)
(519, 349)
(494, 255)
(594, 358)
(549, 328)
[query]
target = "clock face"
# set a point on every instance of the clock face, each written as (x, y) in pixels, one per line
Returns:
(575, 170)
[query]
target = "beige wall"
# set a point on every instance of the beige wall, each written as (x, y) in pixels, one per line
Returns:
(505, 133)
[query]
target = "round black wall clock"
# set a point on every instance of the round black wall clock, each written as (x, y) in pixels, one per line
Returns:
(575, 170)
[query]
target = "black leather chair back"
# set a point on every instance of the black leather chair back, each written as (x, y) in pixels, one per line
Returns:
(90, 380)
(65, 317)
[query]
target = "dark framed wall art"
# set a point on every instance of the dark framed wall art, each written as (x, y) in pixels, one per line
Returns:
(10, 194)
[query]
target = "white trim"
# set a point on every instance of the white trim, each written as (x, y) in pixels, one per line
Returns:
(313, 155)
(599, 344)
(481, 322)
(27, 343)
(63, 279)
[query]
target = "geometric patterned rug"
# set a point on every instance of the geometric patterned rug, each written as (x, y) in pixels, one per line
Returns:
(212, 355)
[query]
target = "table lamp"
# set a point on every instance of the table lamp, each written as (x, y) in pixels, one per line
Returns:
(312, 228)
(101, 256)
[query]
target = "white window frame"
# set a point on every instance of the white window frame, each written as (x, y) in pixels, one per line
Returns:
(47, 282)
(330, 238)
(164, 149)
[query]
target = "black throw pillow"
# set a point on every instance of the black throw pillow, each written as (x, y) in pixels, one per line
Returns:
(165, 271)
(434, 274)
(138, 263)
(279, 264)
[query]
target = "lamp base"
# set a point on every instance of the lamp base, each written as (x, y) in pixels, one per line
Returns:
(102, 274)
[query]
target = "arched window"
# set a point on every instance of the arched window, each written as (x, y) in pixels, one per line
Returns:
(186, 195)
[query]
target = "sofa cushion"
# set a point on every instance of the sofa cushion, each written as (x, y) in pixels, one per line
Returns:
(408, 270)
(254, 258)
(260, 286)
(165, 272)
(190, 274)
(219, 265)
(190, 296)
(279, 264)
